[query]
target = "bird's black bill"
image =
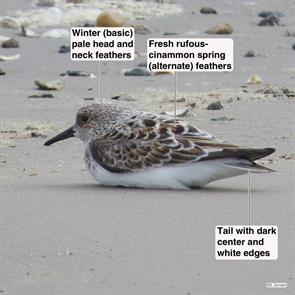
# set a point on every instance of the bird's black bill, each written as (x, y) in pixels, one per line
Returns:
(64, 135)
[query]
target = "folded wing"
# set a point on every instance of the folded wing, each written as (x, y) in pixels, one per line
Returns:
(150, 141)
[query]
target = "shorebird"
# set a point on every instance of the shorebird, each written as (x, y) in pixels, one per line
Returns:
(130, 148)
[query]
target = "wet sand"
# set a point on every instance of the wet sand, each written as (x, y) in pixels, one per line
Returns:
(61, 233)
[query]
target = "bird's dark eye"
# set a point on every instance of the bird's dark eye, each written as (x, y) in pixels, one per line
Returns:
(84, 118)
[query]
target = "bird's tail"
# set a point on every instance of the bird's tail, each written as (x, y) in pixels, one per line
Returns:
(245, 164)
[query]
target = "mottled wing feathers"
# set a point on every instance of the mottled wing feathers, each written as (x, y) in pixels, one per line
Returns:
(147, 140)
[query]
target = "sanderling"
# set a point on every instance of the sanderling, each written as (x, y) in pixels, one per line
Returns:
(130, 148)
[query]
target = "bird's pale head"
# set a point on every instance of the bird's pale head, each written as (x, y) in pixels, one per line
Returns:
(92, 121)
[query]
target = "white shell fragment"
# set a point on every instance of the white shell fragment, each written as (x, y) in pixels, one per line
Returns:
(51, 85)
(254, 79)
(26, 32)
(9, 58)
(4, 38)
(57, 33)
(179, 112)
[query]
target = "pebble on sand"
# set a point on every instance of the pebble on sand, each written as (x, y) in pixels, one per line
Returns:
(43, 95)
(254, 79)
(170, 33)
(142, 64)
(208, 10)
(38, 134)
(220, 29)
(271, 13)
(64, 49)
(214, 106)
(250, 53)
(270, 21)
(222, 119)
(11, 43)
(2, 73)
(75, 1)
(276, 91)
(110, 18)
(123, 98)
(76, 74)
(48, 3)
(137, 72)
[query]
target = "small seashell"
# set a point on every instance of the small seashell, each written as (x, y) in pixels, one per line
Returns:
(52, 85)
(9, 23)
(4, 38)
(110, 18)
(9, 58)
(32, 173)
(163, 73)
(254, 79)
(57, 33)
(26, 32)
(290, 33)
(192, 33)
(141, 29)
(221, 29)
(179, 112)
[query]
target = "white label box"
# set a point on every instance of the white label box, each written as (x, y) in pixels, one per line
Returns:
(190, 54)
(246, 242)
(97, 43)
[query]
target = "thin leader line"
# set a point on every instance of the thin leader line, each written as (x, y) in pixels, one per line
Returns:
(99, 84)
(175, 93)
(249, 196)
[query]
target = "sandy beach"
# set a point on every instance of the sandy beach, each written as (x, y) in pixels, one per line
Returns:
(61, 233)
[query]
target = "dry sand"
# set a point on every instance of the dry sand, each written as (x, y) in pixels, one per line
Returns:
(60, 233)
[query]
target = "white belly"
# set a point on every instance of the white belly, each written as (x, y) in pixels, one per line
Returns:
(168, 177)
